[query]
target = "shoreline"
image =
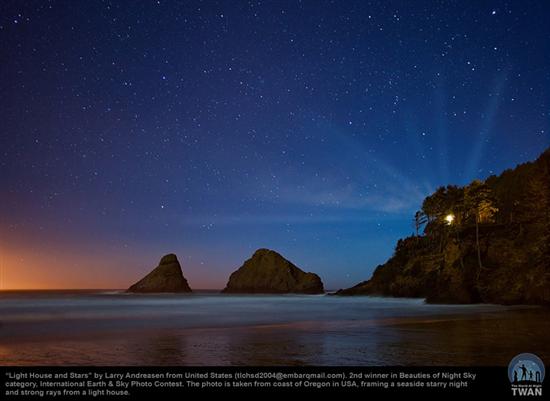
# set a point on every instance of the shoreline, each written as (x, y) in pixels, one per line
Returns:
(216, 292)
(477, 338)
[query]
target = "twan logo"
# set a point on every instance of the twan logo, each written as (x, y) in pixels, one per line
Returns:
(526, 373)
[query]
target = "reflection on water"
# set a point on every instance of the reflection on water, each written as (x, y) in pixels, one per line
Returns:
(206, 329)
(266, 346)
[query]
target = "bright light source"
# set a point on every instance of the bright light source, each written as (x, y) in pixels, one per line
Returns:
(450, 218)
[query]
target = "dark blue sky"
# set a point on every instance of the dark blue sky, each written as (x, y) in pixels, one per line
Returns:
(209, 129)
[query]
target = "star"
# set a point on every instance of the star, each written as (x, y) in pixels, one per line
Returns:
(330, 117)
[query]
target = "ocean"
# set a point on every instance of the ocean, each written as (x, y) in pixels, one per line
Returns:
(206, 328)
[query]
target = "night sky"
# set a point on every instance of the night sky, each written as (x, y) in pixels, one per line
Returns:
(210, 129)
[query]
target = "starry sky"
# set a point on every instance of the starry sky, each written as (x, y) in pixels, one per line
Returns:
(213, 128)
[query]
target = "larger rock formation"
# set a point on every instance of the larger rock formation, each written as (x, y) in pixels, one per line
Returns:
(488, 242)
(269, 273)
(166, 277)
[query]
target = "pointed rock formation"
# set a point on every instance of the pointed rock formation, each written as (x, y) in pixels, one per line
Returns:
(166, 277)
(269, 273)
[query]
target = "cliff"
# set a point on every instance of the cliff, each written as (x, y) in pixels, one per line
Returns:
(268, 272)
(486, 242)
(166, 277)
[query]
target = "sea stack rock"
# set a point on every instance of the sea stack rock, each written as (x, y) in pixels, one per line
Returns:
(166, 277)
(268, 272)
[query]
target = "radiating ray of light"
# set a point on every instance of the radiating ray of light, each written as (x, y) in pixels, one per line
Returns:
(349, 145)
(440, 101)
(487, 125)
(411, 128)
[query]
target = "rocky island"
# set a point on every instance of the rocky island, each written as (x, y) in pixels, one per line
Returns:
(166, 277)
(487, 242)
(270, 273)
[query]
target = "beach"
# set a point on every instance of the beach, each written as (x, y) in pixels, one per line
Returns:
(110, 328)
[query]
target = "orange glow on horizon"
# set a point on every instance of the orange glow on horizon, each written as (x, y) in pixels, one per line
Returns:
(52, 269)
(45, 269)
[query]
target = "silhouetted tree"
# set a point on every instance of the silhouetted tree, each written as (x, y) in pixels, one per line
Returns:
(433, 206)
(479, 203)
(535, 212)
(420, 219)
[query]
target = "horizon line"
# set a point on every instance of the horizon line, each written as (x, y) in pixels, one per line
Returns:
(125, 289)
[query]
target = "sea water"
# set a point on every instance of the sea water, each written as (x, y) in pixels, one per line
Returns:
(208, 328)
